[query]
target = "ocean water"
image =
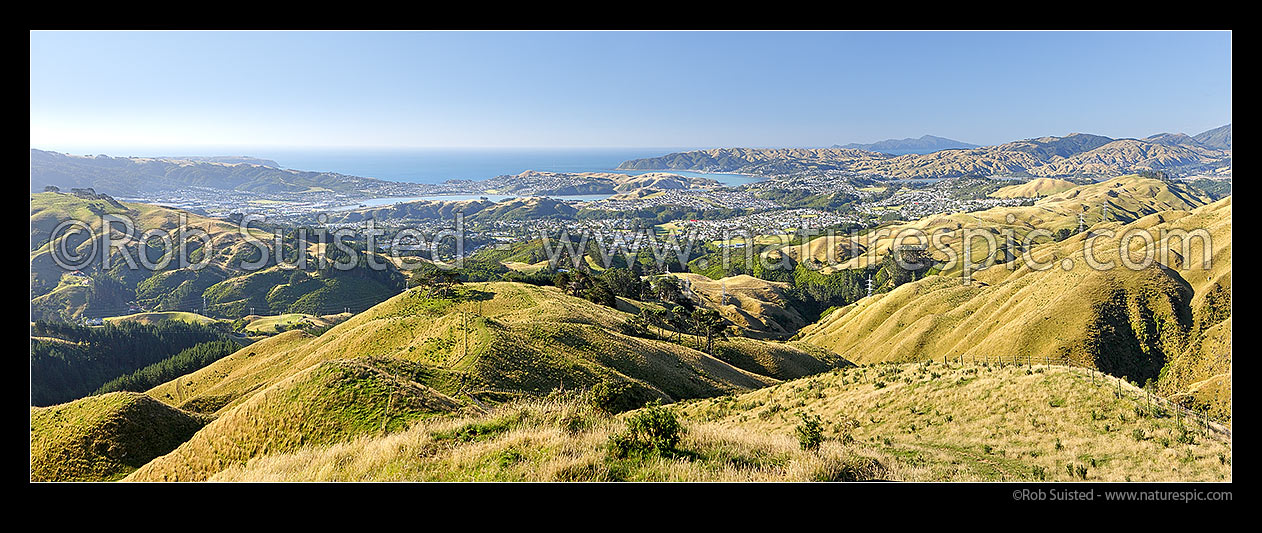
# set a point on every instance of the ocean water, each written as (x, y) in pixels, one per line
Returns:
(439, 165)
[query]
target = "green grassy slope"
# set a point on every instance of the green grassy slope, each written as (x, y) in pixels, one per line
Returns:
(496, 341)
(104, 437)
(56, 295)
(325, 403)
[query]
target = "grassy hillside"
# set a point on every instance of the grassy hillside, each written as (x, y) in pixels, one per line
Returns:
(50, 209)
(1128, 198)
(151, 318)
(58, 294)
(275, 323)
(132, 175)
(921, 423)
(104, 437)
(939, 422)
(1168, 322)
(325, 403)
(758, 307)
(223, 285)
(1076, 154)
(1034, 188)
(407, 359)
(521, 339)
(555, 439)
(277, 290)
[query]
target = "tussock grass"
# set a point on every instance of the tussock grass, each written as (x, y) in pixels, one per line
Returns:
(958, 423)
(559, 439)
(930, 422)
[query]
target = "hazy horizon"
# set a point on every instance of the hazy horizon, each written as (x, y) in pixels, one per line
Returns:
(246, 150)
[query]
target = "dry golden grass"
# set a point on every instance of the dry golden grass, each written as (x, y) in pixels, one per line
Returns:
(1128, 198)
(154, 317)
(755, 305)
(521, 339)
(270, 324)
(1128, 322)
(926, 423)
(1034, 188)
(977, 422)
(549, 440)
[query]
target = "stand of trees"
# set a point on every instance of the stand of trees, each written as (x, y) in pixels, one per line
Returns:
(436, 281)
(188, 360)
(70, 361)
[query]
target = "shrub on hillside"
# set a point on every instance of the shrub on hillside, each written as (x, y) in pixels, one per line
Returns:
(656, 429)
(810, 432)
(618, 396)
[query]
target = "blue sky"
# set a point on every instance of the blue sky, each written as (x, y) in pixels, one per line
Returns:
(97, 91)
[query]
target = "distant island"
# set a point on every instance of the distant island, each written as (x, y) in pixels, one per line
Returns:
(926, 144)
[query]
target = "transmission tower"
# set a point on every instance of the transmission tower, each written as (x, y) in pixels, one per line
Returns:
(869, 285)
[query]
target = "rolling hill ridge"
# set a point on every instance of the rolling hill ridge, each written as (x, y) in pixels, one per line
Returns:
(1076, 154)
(1167, 322)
